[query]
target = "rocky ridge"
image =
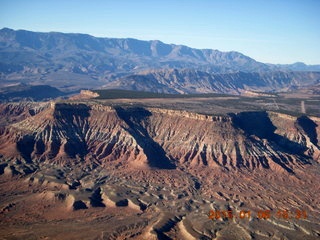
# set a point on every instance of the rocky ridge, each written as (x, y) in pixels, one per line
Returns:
(187, 81)
(154, 173)
(71, 133)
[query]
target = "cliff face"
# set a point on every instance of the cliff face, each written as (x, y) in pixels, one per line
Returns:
(93, 134)
(152, 173)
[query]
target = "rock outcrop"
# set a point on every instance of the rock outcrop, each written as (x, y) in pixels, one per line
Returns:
(89, 170)
(93, 134)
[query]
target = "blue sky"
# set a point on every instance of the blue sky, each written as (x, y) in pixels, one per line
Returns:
(274, 31)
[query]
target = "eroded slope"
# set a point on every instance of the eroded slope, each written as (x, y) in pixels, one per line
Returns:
(155, 173)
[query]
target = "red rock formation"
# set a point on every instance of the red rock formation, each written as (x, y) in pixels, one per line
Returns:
(69, 133)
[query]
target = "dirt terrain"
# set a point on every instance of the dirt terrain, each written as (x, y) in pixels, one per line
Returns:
(140, 169)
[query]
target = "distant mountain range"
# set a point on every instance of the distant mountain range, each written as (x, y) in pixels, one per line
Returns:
(76, 61)
(187, 81)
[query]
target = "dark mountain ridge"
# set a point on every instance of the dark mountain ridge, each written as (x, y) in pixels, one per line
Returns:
(27, 92)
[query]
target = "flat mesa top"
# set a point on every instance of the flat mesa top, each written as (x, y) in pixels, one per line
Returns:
(215, 104)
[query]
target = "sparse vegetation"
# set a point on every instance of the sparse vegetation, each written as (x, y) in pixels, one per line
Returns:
(213, 104)
(128, 94)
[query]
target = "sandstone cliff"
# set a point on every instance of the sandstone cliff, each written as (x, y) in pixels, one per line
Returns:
(93, 134)
(155, 173)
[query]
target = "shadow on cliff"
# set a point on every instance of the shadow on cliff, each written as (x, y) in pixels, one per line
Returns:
(73, 119)
(134, 117)
(309, 127)
(260, 125)
(25, 147)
